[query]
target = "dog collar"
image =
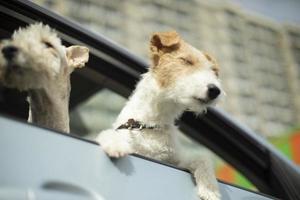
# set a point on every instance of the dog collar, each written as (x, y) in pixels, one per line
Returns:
(134, 124)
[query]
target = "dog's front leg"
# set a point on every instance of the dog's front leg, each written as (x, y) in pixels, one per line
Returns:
(203, 172)
(201, 166)
(115, 143)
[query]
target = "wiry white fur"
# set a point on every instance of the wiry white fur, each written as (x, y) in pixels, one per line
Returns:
(43, 71)
(155, 105)
(33, 56)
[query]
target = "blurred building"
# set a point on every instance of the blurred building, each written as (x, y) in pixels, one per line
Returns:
(259, 58)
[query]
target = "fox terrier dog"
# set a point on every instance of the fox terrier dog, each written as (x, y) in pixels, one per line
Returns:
(180, 78)
(35, 60)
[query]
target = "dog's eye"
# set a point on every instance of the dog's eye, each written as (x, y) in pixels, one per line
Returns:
(48, 44)
(187, 61)
(216, 71)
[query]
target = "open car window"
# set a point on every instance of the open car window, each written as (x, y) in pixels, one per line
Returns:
(257, 57)
(251, 53)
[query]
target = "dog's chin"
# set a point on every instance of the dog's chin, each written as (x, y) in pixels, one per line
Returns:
(206, 102)
(199, 105)
(12, 82)
(19, 79)
(198, 109)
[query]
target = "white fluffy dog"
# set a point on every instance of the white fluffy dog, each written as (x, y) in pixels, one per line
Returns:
(35, 60)
(181, 78)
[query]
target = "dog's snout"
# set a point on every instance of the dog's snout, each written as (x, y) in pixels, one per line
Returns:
(9, 52)
(213, 91)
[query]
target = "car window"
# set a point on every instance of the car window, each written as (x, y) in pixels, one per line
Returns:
(259, 61)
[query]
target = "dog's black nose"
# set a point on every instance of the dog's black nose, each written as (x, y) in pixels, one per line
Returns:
(9, 52)
(213, 91)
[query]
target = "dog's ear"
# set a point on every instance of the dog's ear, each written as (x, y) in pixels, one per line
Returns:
(163, 42)
(77, 56)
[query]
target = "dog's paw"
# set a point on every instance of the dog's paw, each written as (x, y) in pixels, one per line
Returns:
(206, 194)
(114, 144)
(117, 149)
